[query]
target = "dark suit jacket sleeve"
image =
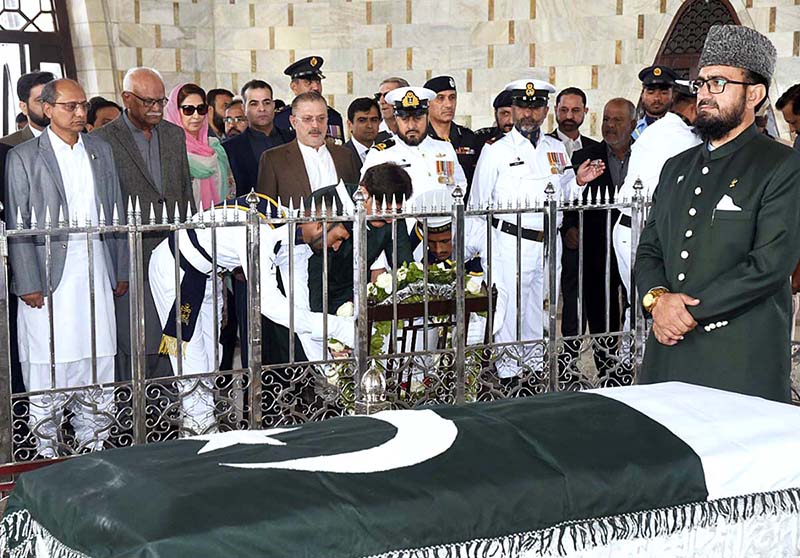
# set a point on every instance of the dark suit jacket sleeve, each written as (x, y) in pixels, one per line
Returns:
(120, 240)
(21, 250)
(571, 217)
(267, 179)
(186, 176)
(4, 149)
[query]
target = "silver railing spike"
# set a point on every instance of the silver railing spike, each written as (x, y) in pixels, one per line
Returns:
(176, 217)
(47, 221)
(62, 219)
(19, 219)
(152, 214)
(115, 216)
(129, 209)
(188, 211)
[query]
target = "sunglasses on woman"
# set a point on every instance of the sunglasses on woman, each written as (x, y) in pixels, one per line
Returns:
(188, 110)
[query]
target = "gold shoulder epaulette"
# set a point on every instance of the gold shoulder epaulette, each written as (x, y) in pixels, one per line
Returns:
(383, 145)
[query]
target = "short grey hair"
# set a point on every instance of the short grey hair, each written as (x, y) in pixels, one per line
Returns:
(130, 76)
(398, 80)
(628, 105)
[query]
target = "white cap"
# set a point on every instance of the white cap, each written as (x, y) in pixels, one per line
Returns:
(434, 201)
(410, 99)
(530, 91)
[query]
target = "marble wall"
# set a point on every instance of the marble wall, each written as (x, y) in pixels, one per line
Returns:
(598, 45)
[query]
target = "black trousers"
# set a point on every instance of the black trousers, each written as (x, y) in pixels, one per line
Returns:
(595, 286)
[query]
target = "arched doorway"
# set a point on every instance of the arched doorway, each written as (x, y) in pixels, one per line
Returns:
(33, 35)
(684, 41)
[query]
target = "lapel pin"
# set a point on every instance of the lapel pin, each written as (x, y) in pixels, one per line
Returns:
(733, 183)
(680, 179)
(93, 156)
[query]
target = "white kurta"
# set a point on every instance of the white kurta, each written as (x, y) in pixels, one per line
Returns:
(70, 303)
(660, 141)
(71, 297)
(319, 166)
(513, 170)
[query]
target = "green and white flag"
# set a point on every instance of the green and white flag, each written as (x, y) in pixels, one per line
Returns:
(541, 476)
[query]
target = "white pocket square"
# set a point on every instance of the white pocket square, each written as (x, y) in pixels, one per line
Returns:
(726, 204)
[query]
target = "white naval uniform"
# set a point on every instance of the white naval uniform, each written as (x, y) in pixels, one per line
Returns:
(198, 354)
(661, 140)
(475, 247)
(72, 318)
(420, 162)
(512, 170)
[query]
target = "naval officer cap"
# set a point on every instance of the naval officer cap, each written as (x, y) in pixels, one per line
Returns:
(408, 101)
(433, 201)
(658, 77)
(532, 93)
(309, 67)
(740, 47)
(441, 83)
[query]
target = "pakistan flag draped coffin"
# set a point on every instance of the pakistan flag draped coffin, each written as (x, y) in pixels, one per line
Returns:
(526, 477)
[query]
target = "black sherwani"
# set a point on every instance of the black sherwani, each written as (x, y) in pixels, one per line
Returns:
(736, 262)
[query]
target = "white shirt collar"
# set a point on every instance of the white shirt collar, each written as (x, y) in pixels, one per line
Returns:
(36, 133)
(570, 144)
(361, 149)
(60, 145)
(308, 149)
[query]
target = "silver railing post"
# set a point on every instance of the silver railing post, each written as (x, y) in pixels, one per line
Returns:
(459, 343)
(254, 308)
(136, 296)
(550, 330)
(6, 450)
(361, 349)
(638, 328)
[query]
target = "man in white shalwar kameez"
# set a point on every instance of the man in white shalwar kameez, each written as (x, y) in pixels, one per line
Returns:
(70, 174)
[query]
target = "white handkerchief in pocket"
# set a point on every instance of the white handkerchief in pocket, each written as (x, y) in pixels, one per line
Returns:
(726, 204)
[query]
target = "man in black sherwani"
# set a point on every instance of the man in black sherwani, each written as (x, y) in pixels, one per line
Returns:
(721, 239)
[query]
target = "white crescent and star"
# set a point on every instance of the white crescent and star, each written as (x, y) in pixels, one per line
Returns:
(421, 436)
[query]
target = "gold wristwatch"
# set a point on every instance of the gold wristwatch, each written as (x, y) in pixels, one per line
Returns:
(649, 300)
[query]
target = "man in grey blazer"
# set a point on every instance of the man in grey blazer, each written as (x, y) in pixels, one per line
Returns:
(151, 160)
(66, 173)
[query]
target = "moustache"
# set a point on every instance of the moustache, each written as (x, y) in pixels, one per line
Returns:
(707, 103)
(568, 121)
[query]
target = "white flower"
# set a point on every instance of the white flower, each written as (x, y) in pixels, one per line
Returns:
(335, 346)
(418, 265)
(384, 281)
(401, 274)
(442, 266)
(345, 310)
(474, 285)
(372, 290)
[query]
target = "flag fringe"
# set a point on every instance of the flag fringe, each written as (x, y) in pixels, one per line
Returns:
(21, 536)
(576, 536)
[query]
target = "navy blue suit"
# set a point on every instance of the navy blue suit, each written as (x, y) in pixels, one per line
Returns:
(244, 152)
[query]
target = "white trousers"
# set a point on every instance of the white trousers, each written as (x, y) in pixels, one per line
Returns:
(621, 236)
(197, 357)
(92, 407)
(531, 309)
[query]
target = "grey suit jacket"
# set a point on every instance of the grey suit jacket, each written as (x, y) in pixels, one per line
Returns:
(18, 137)
(33, 182)
(135, 179)
(282, 171)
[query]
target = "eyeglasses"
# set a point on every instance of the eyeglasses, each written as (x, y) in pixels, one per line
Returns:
(150, 103)
(313, 119)
(189, 110)
(234, 119)
(73, 106)
(715, 85)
